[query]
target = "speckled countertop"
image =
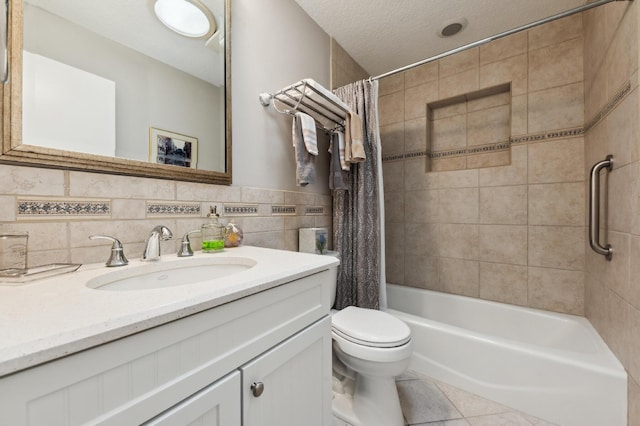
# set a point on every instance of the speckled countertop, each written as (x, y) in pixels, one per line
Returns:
(50, 318)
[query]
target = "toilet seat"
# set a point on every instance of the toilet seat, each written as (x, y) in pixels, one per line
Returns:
(369, 327)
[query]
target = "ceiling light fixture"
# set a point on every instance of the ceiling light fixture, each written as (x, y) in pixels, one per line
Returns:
(452, 27)
(189, 18)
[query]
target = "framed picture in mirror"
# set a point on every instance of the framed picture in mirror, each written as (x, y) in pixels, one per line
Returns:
(171, 148)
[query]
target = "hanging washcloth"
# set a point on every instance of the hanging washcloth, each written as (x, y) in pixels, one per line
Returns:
(341, 149)
(305, 146)
(337, 177)
(354, 148)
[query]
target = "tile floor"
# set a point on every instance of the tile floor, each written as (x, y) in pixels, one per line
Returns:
(427, 402)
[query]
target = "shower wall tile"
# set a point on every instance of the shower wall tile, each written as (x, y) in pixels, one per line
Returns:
(394, 206)
(455, 64)
(634, 272)
(448, 164)
(393, 83)
(489, 101)
(557, 204)
(392, 139)
(556, 290)
(519, 115)
(459, 205)
(503, 205)
(456, 108)
(559, 247)
(391, 108)
(556, 161)
(458, 179)
(459, 84)
(393, 175)
(617, 271)
(415, 135)
(556, 65)
(458, 241)
(416, 177)
(622, 135)
(556, 108)
(421, 206)
(492, 159)
(488, 126)
(513, 174)
(459, 276)
(421, 239)
(421, 74)
(622, 54)
(503, 283)
(503, 244)
(512, 70)
(448, 133)
(421, 271)
(503, 48)
(417, 98)
(395, 252)
(555, 32)
(622, 193)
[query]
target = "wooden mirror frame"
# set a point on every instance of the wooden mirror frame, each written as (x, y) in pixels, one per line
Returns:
(14, 152)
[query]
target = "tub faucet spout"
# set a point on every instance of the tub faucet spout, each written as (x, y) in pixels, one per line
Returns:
(152, 245)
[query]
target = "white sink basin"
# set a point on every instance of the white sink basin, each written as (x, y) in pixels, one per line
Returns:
(171, 274)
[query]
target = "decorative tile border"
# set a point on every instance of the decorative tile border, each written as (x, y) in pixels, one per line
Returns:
(281, 210)
(240, 209)
(173, 209)
(63, 209)
(501, 146)
(617, 98)
(314, 210)
(555, 134)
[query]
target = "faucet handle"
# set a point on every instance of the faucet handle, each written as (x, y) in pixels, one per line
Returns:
(117, 257)
(185, 245)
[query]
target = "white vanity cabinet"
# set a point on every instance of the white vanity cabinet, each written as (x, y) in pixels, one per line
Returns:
(195, 370)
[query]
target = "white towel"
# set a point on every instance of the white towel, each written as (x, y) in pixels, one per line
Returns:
(308, 126)
(305, 161)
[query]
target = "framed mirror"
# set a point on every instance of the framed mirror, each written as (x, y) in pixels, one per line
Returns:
(107, 86)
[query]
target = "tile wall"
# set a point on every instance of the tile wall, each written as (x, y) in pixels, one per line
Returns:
(344, 69)
(612, 289)
(513, 233)
(60, 209)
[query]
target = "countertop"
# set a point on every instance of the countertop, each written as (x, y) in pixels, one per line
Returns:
(53, 317)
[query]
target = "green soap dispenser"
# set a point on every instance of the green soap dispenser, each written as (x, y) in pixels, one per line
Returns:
(212, 233)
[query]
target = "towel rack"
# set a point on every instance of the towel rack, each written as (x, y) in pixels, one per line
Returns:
(309, 97)
(594, 208)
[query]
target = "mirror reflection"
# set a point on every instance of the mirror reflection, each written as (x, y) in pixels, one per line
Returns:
(111, 78)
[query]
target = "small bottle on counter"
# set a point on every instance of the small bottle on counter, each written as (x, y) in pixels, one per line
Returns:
(212, 233)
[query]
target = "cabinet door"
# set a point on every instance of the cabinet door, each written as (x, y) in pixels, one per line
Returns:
(216, 405)
(295, 379)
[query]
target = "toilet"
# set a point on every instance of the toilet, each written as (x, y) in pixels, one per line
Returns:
(370, 348)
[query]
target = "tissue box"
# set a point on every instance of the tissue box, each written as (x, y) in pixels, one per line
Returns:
(313, 240)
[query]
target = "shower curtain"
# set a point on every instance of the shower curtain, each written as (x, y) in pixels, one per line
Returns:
(358, 211)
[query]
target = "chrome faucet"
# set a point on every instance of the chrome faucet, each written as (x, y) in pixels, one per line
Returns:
(152, 245)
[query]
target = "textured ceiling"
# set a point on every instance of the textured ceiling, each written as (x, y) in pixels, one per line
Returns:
(383, 35)
(133, 24)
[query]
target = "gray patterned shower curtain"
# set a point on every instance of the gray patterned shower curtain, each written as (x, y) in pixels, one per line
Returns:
(358, 214)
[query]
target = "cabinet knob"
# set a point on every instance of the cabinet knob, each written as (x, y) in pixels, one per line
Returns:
(257, 388)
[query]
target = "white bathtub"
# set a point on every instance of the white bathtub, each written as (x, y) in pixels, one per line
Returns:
(549, 365)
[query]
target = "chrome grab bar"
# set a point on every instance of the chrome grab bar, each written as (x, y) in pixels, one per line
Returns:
(594, 208)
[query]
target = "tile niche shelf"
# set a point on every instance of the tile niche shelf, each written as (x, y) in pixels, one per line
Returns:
(470, 131)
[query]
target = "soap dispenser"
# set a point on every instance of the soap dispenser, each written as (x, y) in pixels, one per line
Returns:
(212, 233)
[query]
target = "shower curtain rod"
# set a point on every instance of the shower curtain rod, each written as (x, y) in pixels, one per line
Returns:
(497, 36)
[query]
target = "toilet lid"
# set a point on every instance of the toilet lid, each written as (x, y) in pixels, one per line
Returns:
(370, 327)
